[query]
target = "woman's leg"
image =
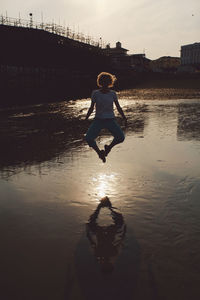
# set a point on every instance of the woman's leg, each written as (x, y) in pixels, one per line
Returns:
(116, 131)
(92, 134)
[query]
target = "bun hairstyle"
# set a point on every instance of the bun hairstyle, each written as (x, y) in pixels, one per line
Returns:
(106, 79)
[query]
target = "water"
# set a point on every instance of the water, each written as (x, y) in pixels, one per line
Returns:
(51, 183)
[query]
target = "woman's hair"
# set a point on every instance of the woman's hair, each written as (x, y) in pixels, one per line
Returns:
(106, 78)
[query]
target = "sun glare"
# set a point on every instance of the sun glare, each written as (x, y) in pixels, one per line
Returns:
(105, 184)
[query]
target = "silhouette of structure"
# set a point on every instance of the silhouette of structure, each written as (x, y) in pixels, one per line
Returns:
(40, 61)
(190, 54)
(52, 28)
(165, 64)
(190, 58)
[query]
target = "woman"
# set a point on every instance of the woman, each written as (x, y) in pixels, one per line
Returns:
(103, 100)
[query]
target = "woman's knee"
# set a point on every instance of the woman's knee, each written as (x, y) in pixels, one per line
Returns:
(120, 138)
(89, 140)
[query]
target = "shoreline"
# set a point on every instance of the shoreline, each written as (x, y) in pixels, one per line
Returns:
(140, 86)
(160, 93)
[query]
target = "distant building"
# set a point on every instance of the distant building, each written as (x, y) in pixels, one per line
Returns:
(139, 62)
(167, 64)
(190, 54)
(190, 58)
(122, 61)
(118, 50)
(119, 58)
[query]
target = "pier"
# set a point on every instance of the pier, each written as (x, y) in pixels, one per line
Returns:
(43, 61)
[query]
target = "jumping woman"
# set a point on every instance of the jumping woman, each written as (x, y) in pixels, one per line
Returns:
(103, 99)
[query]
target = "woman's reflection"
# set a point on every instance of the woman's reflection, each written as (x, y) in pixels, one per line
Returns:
(119, 265)
(106, 241)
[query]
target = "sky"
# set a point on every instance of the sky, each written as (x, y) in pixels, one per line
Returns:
(154, 27)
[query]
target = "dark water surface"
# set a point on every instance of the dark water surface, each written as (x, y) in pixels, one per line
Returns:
(51, 183)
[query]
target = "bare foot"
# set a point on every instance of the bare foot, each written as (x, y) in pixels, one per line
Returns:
(102, 155)
(107, 149)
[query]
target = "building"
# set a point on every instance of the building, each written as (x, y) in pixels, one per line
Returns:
(122, 61)
(119, 58)
(190, 54)
(139, 62)
(167, 64)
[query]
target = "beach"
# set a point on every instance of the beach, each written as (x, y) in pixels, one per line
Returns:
(51, 183)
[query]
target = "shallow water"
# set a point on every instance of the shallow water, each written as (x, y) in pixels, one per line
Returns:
(51, 183)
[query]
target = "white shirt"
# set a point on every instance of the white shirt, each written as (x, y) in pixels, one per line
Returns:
(104, 104)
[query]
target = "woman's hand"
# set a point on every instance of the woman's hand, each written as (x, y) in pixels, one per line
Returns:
(90, 110)
(125, 121)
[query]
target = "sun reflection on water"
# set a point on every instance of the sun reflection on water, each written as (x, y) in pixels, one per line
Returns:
(105, 184)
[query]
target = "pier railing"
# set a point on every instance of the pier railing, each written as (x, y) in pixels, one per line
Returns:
(53, 28)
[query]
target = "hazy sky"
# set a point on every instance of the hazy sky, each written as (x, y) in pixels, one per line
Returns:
(158, 27)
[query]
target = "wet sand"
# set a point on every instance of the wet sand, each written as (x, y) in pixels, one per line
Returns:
(52, 246)
(161, 93)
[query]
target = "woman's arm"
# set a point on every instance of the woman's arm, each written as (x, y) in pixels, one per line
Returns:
(120, 110)
(90, 110)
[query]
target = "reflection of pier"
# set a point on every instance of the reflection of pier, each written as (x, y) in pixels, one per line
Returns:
(188, 122)
(38, 133)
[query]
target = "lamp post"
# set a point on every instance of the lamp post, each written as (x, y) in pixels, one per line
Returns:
(100, 42)
(31, 20)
